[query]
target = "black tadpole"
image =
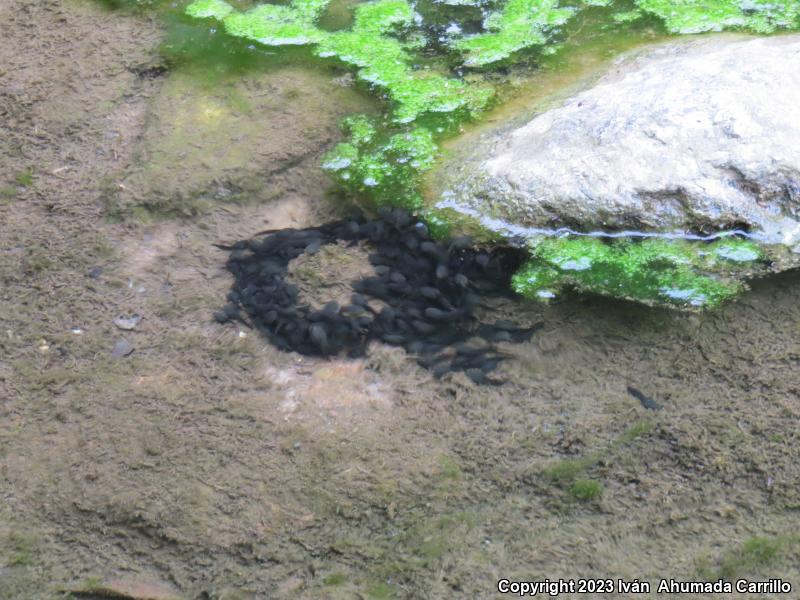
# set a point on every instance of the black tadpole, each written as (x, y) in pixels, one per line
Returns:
(646, 401)
(429, 291)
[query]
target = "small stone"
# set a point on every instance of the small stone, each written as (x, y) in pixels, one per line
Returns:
(128, 322)
(501, 336)
(122, 349)
(231, 311)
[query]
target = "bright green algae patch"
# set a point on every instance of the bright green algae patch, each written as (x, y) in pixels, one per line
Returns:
(519, 24)
(697, 16)
(382, 168)
(204, 9)
(268, 24)
(654, 271)
(379, 58)
(384, 61)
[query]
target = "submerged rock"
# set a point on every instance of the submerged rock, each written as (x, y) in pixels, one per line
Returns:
(686, 140)
(122, 348)
(239, 137)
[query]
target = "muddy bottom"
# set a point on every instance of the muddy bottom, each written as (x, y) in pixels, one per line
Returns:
(201, 462)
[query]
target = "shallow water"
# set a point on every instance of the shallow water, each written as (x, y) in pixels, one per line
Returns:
(211, 465)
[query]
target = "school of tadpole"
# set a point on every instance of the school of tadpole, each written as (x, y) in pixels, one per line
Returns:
(423, 295)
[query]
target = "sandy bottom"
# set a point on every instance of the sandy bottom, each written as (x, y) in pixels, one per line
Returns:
(208, 465)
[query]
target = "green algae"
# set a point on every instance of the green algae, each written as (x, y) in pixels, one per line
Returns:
(654, 271)
(461, 2)
(698, 16)
(268, 24)
(586, 490)
(523, 24)
(385, 169)
(379, 58)
(628, 16)
(385, 63)
(381, 17)
(205, 9)
(518, 25)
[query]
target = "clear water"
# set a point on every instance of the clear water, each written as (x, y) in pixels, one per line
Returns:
(388, 165)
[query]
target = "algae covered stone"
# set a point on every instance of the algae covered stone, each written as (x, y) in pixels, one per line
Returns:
(590, 167)
(678, 146)
(699, 137)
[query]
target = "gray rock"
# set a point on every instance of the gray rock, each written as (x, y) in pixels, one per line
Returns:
(699, 137)
(122, 349)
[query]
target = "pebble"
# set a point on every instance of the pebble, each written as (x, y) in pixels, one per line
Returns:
(128, 322)
(122, 349)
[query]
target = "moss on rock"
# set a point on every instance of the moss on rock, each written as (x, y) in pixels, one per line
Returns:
(386, 169)
(203, 9)
(654, 271)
